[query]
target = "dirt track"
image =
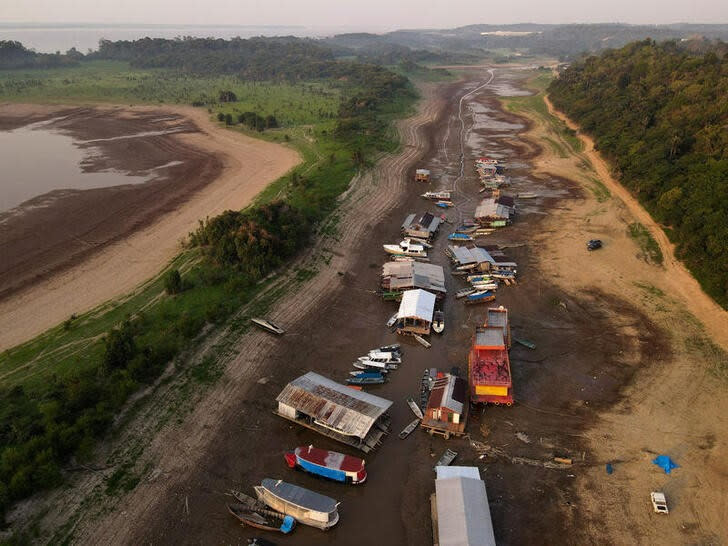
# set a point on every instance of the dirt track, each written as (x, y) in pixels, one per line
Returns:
(80, 249)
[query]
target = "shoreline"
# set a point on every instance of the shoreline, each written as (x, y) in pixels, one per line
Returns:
(235, 169)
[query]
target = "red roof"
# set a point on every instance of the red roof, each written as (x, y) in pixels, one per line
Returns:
(330, 459)
(490, 367)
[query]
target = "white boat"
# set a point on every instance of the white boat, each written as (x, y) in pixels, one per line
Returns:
(366, 363)
(437, 195)
(406, 248)
(359, 365)
(392, 320)
(418, 241)
(308, 507)
(438, 323)
(485, 285)
(384, 356)
(268, 326)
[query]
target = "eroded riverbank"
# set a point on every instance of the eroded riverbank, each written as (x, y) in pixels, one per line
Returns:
(67, 251)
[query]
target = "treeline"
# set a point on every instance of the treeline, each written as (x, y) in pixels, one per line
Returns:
(15, 55)
(254, 241)
(659, 114)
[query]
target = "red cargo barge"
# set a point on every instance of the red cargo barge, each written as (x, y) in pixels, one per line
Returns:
(490, 368)
(328, 464)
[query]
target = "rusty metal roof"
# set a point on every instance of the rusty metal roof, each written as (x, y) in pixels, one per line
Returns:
(333, 405)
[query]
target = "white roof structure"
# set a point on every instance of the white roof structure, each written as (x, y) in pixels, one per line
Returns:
(417, 303)
(463, 515)
(444, 472)
(333, 405)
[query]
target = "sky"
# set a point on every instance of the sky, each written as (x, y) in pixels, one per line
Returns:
(362, 14)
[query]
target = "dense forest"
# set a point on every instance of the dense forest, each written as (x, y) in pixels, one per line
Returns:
(659, 114)
(15, 55)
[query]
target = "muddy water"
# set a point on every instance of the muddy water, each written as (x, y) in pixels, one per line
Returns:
(556, 386)
(36, 160)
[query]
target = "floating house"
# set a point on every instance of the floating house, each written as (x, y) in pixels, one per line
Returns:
(416, 312)
(490, 213)
(352, 417)
(490, 368)
(398, 277)
(423, 227)
(306, 506)
(422, 175)
(473, 258)
(460, 507)
(447, 407)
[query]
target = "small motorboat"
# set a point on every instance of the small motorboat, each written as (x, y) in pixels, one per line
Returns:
(459, 237)
(393, 348)
(378, 364)
(406, 248)
(368, 367)
(254, 513)
(437, 195)
(447, 458)
(438, 323)
(422, 341)
(480, 297)
(387, 357)
(392, 320)
(268, 326)
(444, 204)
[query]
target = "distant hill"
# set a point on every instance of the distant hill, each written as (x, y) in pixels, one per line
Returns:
(659, 113)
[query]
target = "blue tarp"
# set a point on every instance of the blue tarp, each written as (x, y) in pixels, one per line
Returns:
(665, 462)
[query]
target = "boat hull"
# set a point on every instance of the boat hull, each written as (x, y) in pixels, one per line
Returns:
(312, 518)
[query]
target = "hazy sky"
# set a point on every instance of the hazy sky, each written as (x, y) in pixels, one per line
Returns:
(369, 14)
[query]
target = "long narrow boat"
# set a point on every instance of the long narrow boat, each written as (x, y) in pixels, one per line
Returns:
(525, 342)
(480, 297)
(254, 513)
(422, 341)
(268, 326)
(408, 429)
(392, 320)
(459, 237)
(327, 464)
(464, 292)
(447, 458)
(366, 379)
(308, 507)
(415, 408)
(436, 195)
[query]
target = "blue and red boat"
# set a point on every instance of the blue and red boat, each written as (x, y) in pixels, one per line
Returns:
(327, 464)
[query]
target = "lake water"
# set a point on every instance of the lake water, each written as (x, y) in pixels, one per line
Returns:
(36, 160)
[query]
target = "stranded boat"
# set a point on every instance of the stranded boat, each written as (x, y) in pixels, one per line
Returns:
(406, 248)
(268, 326)
(415, 408)
(408, 429)
(327, 464)
(438, 323)
(366, 378)
(437, 195)
(254, 513)
(480, 297)
(459, 237)
(308, 507)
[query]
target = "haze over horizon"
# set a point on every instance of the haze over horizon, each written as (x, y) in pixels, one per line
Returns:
(375, 15)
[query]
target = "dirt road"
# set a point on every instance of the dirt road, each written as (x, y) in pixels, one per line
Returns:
(79, 249)
(679, 280)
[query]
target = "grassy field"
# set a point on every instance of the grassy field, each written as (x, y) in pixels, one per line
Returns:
(115, 82)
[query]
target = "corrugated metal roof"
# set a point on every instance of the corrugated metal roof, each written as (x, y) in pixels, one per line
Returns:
(417, 303)
(448, 392)
(444, 472)
(343, 409)
(468, 255)
(481, 255)
(463, 515)
(489, 208)
(414, 275)
(489, 337)
(408, 221)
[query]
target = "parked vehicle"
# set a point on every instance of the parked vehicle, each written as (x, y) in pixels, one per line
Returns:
(594, 244)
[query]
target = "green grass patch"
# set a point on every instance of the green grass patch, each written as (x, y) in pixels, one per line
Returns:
(600, 191)
(650, 289)
(650, 249)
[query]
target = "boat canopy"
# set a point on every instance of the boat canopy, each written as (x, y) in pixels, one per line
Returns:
(417, 303)
(301, 497)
